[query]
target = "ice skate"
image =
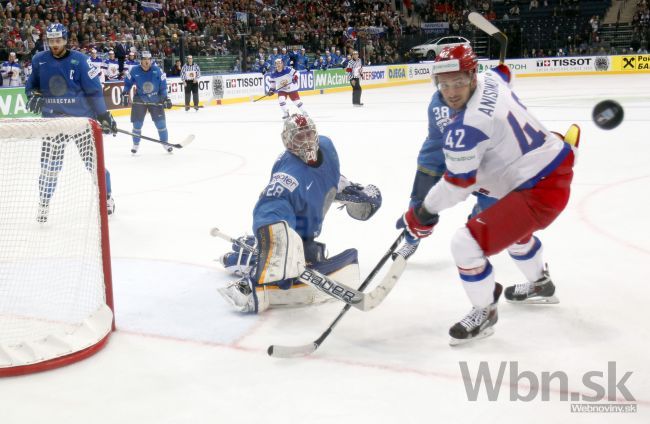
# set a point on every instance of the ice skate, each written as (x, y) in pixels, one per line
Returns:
(134, 148)
(239, 294)
(43, 212)
(541, 291)
(407, 249)
(110, 205)
(478, 324)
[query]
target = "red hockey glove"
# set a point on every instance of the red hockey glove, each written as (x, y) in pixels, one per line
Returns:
(348, 69)
(418, 222)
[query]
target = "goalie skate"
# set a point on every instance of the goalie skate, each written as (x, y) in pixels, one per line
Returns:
(540, 292)
(478, 324)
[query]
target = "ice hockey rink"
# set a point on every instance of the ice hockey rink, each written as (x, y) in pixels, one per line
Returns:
(180, 355)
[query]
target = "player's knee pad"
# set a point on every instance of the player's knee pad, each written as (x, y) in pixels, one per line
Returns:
(526, 250)
(466, 251)
(161, 125)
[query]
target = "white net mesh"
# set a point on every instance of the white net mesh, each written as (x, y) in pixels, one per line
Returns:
(52, 283)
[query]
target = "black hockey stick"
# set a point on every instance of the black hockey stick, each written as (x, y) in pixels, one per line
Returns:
(180, 145)
(161, 104)
(279, 351)
(270, 94)
(486, 26)
(362, 301)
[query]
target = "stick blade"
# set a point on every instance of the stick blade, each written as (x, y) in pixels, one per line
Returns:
(483, 24)
(188, 140)
(286, 352)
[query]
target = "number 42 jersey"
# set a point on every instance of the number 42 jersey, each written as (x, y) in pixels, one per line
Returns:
(494, 146)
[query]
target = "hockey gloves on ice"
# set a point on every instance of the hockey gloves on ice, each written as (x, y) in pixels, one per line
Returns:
(167, 103)
(418, 221)
(125, 99)
(35, 102)
(109, 126)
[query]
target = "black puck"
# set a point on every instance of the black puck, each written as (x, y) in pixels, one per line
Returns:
(608, 114)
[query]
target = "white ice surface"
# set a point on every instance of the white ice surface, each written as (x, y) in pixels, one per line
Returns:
(181, 356)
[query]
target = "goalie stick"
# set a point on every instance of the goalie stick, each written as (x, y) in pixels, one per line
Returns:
(486, 26)
(180, 145)
(362, 301)
(279, 351)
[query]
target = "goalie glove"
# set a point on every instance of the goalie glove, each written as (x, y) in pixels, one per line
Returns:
(360, 202)
(35, 102)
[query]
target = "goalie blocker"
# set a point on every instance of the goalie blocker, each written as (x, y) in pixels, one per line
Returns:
(269, 279)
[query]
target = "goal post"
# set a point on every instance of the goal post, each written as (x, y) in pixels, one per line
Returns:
(56, 301)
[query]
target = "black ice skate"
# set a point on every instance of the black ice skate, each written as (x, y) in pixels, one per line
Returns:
(478, 324)
(541, 291)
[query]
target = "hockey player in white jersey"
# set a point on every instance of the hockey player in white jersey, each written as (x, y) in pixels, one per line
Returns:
(98, 63)
(284, 80)
(111, 67)
(496, 147)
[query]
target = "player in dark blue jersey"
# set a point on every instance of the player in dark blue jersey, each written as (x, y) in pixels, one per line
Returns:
(287, 218)
(150, 96)
(64, 83)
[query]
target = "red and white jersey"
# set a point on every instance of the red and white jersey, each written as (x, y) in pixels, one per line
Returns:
(285, 80)
(494, 146)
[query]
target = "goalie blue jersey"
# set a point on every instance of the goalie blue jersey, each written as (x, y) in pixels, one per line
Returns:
(431, 159)
(70, 85)
(150, 86)
(300, 194)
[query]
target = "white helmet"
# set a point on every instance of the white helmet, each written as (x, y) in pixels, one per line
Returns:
(300, 137)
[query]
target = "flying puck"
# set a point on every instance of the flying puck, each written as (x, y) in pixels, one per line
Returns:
(608, 114)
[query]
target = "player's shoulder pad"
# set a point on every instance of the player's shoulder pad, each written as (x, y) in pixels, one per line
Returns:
(460, 136)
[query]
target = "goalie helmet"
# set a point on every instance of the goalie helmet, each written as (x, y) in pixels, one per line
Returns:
(300, 137)
(455, 59)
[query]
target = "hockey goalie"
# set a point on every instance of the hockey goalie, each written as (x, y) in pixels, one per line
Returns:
(287, 219)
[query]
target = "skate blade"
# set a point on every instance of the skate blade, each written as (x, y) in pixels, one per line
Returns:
(483, 334)
(549, 300)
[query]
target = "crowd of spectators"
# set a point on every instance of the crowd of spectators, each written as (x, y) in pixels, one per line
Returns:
(327, 30)
(641, 27)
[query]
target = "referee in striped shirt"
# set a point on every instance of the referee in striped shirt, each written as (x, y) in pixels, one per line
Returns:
(354, 69)
(190, 73)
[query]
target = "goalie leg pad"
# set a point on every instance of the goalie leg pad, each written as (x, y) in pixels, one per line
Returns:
(281, 254)
(343, 267)
(244, 296)
(361, 202)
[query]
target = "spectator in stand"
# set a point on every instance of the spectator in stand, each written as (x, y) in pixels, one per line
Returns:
(175, 71)
(11, 72)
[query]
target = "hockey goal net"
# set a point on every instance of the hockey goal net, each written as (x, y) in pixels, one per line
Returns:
(55, 275)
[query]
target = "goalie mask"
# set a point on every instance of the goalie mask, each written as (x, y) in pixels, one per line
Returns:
(300, 137)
